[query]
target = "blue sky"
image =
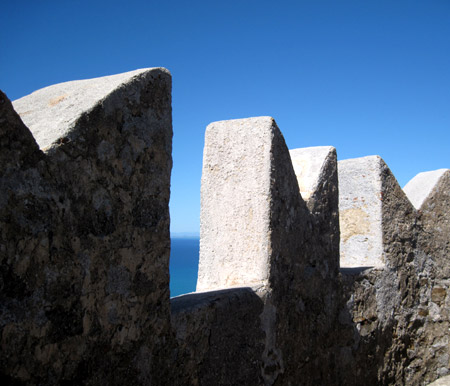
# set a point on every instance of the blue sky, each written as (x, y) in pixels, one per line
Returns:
(368, 77)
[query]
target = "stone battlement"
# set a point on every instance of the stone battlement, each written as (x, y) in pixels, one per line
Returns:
(312, 271)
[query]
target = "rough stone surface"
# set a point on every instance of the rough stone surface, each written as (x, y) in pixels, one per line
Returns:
(84, 232)
(372, 207)
(221, 335)
(444, 381)
(360, 212)
(317, 177)
(308, 164)
(304, 292)
(235, 204)
(421, 186)
(435, 215)
(400, 311)
(51, 112)
(433, 349)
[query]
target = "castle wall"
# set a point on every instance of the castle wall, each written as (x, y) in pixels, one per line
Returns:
(84, 252)
(249, 191)
(84, 241)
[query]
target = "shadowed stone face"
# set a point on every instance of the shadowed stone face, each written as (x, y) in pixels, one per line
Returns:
(422, 185)
(84, 241)
(308, 165)
(317, 177)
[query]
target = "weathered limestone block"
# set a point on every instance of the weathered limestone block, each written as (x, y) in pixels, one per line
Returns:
(84, 232)
(436, 221)
(432, 353)
(316, 171)
(360, 212)
(372, 211)
(430, 193)
(235, 244)
(423, 185)
(309, 166)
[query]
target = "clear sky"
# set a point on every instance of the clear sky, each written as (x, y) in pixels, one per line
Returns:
(368, 77)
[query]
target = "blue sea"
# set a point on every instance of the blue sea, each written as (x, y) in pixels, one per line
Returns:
(184, 253)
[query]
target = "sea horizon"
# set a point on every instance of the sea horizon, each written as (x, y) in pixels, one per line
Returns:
(184, 256)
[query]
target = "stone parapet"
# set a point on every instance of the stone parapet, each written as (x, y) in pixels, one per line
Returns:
(84, 241)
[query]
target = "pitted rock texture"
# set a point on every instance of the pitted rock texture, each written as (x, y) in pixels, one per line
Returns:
(84, 241)
(317, 176)
(400, 310)
(435, 215)
(421, 186)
